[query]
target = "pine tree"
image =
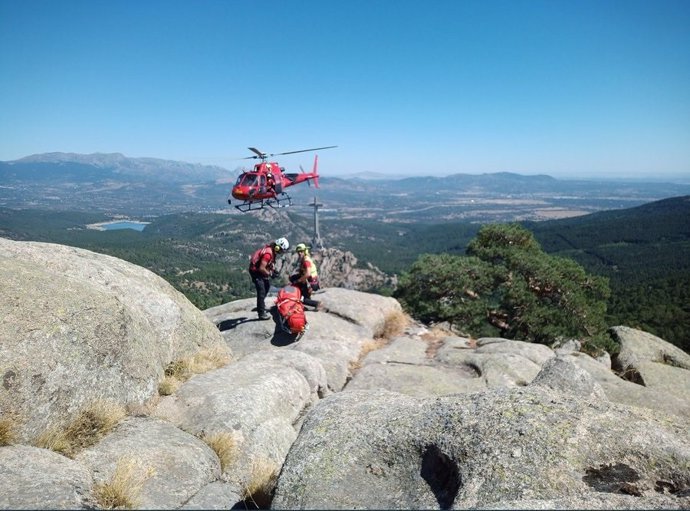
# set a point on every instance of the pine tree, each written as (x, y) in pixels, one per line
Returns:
(507, 283)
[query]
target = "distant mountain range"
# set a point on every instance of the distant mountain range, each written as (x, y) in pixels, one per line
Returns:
(116, 184)
(112, 183)
(99, 166)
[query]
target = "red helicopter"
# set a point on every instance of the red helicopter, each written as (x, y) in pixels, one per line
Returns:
(263, 186)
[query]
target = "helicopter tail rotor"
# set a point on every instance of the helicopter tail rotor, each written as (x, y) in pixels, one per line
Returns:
(301, 169)
(315, 170)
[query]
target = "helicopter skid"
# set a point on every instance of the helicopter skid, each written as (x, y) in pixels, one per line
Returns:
(278, 202)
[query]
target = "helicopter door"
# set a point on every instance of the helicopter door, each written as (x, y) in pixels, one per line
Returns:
(274, 186)
(262, 183)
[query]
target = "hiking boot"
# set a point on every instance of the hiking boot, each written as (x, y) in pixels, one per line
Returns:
(264, 315)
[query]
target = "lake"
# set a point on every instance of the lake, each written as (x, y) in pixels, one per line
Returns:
(125, 224)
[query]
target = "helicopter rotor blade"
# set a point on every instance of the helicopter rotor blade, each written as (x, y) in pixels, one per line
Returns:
(258, 153)
(303, 150)
(264, 156)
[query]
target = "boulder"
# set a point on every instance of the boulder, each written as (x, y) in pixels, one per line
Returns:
(335, 337)
(539, 443)
(339, 268)
(562, 375)
(216, 495)
(255, 401)
(173, 465)
(309, 367)
(626, 392)
(337, 356)
(415, 380)
(76, 326)
(639, 346)
(650, 361)
(537, 353)
(594, 501)
(365, 309)
(497, 362)
(403, 366)
(401, 350)
(33, 478)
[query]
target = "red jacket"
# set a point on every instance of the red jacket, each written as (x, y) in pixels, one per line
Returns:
(263, 254)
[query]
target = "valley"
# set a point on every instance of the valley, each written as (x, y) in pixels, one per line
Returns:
(637, 234)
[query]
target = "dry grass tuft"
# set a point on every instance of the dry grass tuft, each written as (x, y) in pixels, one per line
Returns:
(207, 360)
(372, 345)
(262, 482)
(8, 431)
(55, 440)
(123, 491)
(367, 347)
(168, 385)
(180, 370)
(92, 424)
(394, 324)
(224, 445)
(437, 332)
(183, 369)
(435, 339)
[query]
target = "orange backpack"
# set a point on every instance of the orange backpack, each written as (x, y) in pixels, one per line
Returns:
(291, 310)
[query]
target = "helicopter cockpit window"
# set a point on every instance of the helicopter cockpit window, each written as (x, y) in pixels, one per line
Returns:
(249, 180)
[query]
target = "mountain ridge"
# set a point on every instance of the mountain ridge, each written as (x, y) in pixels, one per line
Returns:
(120, 160)
(151, 168)
(118, 184)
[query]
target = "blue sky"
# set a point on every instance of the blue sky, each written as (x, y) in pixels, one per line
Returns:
(567, 88)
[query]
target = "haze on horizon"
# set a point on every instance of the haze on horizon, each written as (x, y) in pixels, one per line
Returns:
(572, 89)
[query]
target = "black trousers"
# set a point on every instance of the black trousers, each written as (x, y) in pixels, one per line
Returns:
(306, 290)
(262, 285)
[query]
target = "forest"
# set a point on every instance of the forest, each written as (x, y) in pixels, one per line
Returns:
(644, 252)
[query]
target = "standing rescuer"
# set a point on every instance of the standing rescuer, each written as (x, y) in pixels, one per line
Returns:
(261, 269)
(307, 277)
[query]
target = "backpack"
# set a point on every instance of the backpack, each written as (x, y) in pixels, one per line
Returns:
(291, 311)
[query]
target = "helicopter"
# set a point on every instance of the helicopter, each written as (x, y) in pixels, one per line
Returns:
(265, 184)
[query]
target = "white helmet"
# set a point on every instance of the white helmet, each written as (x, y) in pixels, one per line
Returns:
(282, 243)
